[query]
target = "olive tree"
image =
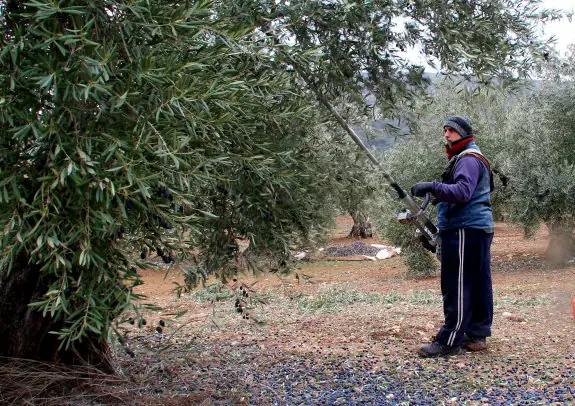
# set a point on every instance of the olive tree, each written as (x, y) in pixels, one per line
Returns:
(130, 128)
(537, 154)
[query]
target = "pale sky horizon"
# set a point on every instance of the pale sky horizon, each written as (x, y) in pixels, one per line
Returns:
(564, 30)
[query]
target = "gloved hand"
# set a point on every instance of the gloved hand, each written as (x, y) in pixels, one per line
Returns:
(420, 189)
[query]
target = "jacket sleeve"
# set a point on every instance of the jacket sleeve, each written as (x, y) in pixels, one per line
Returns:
(468, 171)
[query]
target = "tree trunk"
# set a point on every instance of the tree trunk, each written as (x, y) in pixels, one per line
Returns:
(561, 246)
(361, 225)
(25, 332)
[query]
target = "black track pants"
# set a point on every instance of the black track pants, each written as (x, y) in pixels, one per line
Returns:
(466, 285)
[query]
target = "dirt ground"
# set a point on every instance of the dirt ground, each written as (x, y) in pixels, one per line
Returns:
(351, 309)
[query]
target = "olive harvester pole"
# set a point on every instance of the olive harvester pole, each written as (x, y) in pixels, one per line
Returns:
(415, 214)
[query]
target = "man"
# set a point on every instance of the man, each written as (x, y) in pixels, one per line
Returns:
(465, 223)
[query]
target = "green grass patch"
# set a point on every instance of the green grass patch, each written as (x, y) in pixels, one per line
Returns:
(217, 292)
(333, 298)
(523, 301)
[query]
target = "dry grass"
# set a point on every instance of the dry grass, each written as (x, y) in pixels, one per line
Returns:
(26, 382)
(29, 382)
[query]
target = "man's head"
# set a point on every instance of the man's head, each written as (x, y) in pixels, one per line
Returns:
(457, 127)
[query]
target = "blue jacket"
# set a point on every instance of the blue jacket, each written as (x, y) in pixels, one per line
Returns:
(465, 194)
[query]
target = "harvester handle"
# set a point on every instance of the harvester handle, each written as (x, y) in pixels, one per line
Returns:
(423, 206)
(426, 201)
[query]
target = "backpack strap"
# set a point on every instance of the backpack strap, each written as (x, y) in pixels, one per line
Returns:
(477, 154)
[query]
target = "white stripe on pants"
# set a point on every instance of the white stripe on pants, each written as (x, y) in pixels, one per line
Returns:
(452, 335)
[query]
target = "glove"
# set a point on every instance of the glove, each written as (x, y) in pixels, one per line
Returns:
(420, 189)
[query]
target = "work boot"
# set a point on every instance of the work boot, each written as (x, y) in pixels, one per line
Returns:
(474, 343)
(436, 349)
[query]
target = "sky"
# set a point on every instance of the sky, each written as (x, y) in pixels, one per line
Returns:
(564, 31)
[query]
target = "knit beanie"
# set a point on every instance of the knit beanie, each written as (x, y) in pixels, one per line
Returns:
(460, 124)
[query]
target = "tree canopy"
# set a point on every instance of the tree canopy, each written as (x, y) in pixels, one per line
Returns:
(139, 126)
